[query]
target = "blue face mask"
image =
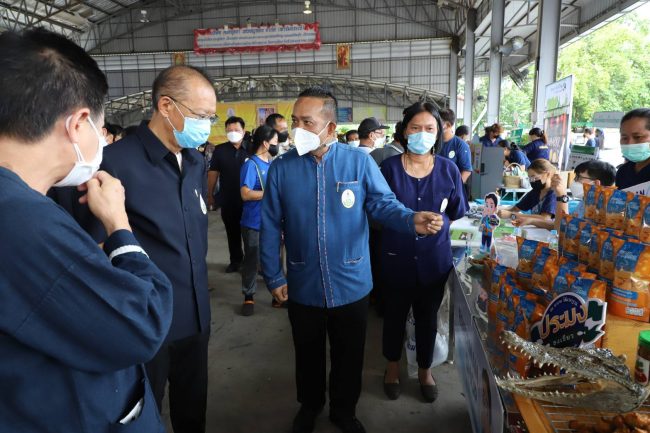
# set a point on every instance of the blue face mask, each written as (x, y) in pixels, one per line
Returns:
(636, 152)
(195, 131)
(421, 142)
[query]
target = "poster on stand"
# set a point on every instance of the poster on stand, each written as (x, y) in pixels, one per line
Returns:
(255, 39)
(557, 118)
(580, 154)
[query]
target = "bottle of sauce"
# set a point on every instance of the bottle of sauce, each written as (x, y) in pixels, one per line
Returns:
(642, 366)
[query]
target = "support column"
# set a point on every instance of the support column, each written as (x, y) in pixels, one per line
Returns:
(469, 67)
(548, 41)
(496, 40)
(453, 75)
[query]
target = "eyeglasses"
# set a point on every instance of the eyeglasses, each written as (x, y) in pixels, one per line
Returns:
(213, 118)
(583, 178)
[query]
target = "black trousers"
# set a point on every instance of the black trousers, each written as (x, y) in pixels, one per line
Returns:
(346, 328)
(425, 300)
(184, 363)
(231, 216)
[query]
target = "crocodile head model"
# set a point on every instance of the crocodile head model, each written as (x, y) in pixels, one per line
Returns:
(593, 378)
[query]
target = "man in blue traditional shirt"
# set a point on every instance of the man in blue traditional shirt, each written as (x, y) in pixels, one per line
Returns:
(320, 196)
(453, 147)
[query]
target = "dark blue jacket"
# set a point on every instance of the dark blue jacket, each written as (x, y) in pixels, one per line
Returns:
(536, 149)
(167, 212)
(74, 323)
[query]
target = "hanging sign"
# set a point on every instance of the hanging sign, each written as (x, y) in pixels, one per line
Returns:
(557, 118)
(254, 39)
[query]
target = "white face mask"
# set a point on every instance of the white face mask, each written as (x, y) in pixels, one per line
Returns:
(354, 143)
(83, 171)
(235, 136)
(379, 142)
(577, 189)
(306, 141)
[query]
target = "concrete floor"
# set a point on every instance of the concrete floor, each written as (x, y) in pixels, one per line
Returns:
(251, 369)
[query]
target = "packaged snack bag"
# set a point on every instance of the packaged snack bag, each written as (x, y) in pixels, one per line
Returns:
(585, 241)
(631, 291)
(528, 252)
(498, 279)
(590, 202)
(522, 321)
(564, 223)
(538, 269)
(644, 234)
(561, 284)
(615, 211)
(603, 200)
(572, 238)
(587, 286)
(599, 217)
(610, 248)
(634, 211)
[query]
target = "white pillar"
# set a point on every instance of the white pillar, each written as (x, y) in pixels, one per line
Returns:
(453, 76)
(496, 40)
(548, 30)
(469, 67)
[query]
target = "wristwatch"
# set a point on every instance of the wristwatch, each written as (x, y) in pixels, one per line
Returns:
(562, 198)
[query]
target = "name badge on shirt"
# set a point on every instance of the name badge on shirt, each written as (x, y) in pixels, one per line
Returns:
(452, 154)
(347, 198)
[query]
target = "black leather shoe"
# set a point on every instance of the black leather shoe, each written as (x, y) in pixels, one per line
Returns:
(233, 267)
(392, 390)
(305, 420)
(429, 392)
(348, 424)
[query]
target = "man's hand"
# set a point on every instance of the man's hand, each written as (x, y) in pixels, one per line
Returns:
(502, 213)
(280, 294)
(105, 198)
(210, 202)
(558, 185)
(428, 223)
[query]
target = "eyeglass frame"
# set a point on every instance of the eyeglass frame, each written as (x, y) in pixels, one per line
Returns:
(213, 119)
(580, 178)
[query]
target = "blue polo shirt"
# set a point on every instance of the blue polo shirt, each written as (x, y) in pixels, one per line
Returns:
(457, 151)
(75, 321)
(536, 150)
(408, 260)
(627, 176)
(253, 168)
(531, 202)
(322, 208)
(486, 142)
(518, 157)
(168, 215)
(590, 143)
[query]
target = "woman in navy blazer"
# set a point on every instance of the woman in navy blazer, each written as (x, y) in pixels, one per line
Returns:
(416, 268)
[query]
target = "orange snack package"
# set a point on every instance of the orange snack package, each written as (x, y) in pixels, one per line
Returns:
(608, 253)
(631, 291)
(590, 201)
(603, 200)
(546, 255)
(644, 234)
(572, 237)
(598, 206)
(634, 214)
(529, 250)
(585, 242)
(615, 210)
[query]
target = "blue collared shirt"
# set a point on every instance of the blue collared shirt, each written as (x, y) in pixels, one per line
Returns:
(458, 151)
(74, 321)
(532, 202)
(536, 149)
(323, 210)
(518, 157)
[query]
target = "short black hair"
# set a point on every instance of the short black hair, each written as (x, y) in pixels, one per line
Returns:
(642, 113)
(462, 130)
(273, 118)
(330, 103)
(448, 115)
(235, 119)
(45, 76)
(173, 82)
(113, 129)
(599, 170)
(588, 131)
(409, 114)
(349, 133)
(260, 135)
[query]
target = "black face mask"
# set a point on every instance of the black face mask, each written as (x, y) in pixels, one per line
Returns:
(273, 149)
(537, 185)
(283, 136)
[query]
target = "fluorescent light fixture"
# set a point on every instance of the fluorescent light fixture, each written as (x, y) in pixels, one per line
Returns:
(307, 11)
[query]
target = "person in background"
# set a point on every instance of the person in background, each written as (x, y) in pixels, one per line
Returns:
(320, 195)
(588, 135)
(352, 138)
(513, 155)
(372, 134)
(129, 130)
(635, 146)
(416, 268)
(75, 319)
(225, 167)
(600, 138)
(492, 135)
(279, 123)
(537, 148)
(587, 173)
(391, 149)
(112, 132)
(464, 133)
(547, 189)
(453, 147)
(252, 183)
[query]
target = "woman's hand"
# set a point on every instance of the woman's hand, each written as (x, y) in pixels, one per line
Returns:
(502, 213)
(522, 220)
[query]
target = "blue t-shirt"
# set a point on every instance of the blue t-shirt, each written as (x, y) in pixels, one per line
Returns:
(518, 157)
(536, 150)
(457, 151)
(531, 202)
(627, 176)
(253, 168)
(591, 143)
